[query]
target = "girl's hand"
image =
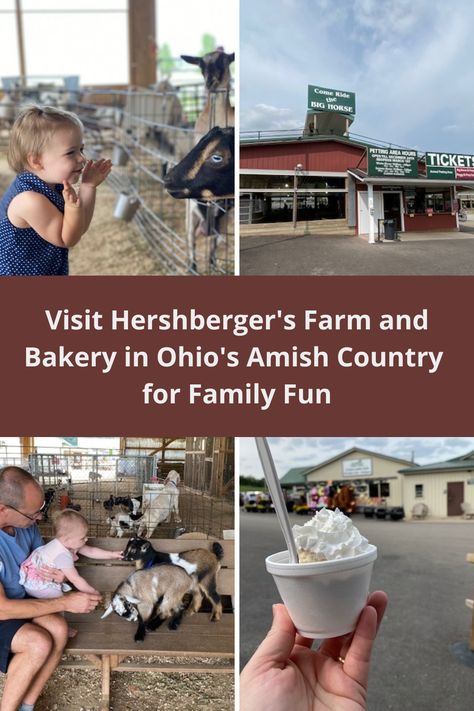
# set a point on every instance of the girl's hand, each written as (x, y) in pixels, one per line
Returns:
(116, 555)
(71, 199)
(95, 172)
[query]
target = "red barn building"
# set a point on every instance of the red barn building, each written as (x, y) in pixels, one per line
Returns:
(314, 176)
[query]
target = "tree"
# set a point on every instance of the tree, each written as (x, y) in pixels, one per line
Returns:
(166, 62)
(208, 43)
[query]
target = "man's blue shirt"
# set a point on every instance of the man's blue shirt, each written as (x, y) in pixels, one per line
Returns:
(13, 551)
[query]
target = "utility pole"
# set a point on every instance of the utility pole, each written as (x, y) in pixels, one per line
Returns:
(21, 43)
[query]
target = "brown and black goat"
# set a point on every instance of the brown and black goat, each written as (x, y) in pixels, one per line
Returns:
(150, 597)
(215, 70)
(207, 563)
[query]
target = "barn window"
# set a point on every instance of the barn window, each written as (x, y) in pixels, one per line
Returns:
(418, 491)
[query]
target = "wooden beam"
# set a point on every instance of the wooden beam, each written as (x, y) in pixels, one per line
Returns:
(142, 43)
(27, 445)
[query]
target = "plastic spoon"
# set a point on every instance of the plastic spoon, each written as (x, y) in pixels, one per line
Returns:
(274, 488)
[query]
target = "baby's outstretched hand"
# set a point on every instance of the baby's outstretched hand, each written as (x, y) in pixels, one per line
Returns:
(95, 172)
(116, 555)
(71, 199)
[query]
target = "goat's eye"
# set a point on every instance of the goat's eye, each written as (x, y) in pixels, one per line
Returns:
(217, 158)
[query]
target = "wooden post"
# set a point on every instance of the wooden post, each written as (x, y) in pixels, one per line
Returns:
(27, 447)
(21, 44)
(105, 701)
(142, 43)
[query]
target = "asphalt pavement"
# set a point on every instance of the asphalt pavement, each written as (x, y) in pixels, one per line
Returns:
(421, 660)
(346, 255)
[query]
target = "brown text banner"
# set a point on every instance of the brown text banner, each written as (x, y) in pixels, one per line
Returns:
(237, 356)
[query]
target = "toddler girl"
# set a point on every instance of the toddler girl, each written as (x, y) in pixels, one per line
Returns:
(41, 215)
(70, 530)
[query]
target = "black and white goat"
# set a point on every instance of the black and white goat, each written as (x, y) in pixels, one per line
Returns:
(207, 564)
(120, 523)
(150, 597)
(129, 504)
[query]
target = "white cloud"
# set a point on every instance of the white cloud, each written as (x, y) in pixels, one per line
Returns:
(265, 117)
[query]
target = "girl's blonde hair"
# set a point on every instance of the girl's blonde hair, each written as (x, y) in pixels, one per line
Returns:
(64, 520)
(33, 129)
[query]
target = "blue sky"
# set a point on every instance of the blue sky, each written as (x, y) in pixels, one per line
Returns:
(409, 63)
(291, 452)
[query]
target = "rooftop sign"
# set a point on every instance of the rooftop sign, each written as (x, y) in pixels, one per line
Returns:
(392, 162)
(331, 100)
(449, 166)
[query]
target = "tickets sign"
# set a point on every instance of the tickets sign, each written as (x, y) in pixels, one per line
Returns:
(392, 162)
(450, 166)
(331, 100)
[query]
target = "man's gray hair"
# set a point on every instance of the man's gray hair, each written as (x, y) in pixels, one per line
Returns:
(12, 483)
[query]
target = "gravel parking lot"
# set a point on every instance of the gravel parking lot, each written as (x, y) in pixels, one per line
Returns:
(421, 660)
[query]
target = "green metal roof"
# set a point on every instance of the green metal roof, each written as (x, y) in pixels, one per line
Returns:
(295, 476)
(463, 463)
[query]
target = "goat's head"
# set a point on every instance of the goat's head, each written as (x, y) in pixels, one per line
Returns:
(172, 477)
(124, 606)
(137, 548)
(214, 67)
(207, 172)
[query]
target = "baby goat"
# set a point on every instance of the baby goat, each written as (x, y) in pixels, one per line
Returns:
(207, 565)
(150, 597)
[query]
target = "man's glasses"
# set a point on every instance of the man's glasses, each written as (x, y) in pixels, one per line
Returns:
(33, 516)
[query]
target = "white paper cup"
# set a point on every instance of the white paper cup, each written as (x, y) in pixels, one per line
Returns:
(323, 599)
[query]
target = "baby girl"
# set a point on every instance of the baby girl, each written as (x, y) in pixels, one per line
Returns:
(41, 214)
(70, 539)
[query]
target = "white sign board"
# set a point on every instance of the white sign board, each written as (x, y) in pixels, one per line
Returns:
(357, 467)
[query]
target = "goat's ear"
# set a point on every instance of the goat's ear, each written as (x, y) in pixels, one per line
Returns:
(191, 60)
(231, 57)
(107, 612)
(133, 600)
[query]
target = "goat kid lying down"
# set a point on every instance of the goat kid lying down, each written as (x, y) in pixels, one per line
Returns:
(207, 564)
(153, 596)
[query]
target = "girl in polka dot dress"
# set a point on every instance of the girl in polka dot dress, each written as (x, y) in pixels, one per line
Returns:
(41, 214)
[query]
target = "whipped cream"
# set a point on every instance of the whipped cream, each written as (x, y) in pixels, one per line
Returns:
(327, 536)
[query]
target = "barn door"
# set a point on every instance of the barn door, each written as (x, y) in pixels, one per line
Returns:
(455, 497)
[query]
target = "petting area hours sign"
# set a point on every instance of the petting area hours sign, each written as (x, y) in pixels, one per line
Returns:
(237, 355)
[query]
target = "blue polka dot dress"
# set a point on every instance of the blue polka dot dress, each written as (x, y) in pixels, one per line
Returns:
(23, 252)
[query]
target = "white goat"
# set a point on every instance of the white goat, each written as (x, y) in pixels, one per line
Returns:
(161, 507)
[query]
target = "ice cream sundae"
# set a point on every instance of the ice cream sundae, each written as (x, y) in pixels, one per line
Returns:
(328, 536)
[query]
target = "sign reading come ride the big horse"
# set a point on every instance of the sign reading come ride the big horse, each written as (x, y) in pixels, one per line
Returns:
(450, 166)
(336, 100)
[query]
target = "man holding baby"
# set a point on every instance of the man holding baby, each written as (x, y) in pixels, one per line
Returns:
(32, 632)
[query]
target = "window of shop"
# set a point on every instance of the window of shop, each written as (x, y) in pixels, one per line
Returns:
(283, 182)
(418, 491)
(379, 489)
(420, 201)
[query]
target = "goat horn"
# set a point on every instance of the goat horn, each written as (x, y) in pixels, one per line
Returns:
(107, 612)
